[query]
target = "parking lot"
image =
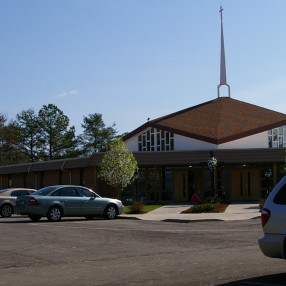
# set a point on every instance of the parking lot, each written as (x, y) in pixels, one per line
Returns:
(133, 252)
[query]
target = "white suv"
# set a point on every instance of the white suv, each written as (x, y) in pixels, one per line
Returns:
(273, 219)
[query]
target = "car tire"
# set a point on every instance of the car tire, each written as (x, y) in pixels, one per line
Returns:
(6, 210)
(110, 212)
(34, 217)
(54, 214)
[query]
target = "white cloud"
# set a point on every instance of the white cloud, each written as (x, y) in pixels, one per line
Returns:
(67, 93)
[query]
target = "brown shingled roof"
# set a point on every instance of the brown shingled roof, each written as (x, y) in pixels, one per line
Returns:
(217, 121)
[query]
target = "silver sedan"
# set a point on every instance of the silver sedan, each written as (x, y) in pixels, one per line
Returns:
(54, 202)
(8, 198)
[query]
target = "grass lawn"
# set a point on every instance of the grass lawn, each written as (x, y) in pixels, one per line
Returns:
(146, 208)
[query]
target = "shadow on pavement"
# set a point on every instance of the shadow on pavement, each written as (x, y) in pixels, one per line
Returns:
(45, 220)
(273, 280)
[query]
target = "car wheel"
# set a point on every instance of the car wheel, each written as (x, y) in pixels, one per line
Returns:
(54, 214)
(89, 217)
(6, 211)
(34, 217)
(110, 212)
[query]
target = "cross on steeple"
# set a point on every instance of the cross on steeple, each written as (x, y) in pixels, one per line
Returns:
(222, 60)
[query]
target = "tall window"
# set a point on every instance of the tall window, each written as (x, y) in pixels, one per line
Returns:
(156, 140)
(277, 137)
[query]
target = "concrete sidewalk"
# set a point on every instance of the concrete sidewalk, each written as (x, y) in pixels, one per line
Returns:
(172, 212)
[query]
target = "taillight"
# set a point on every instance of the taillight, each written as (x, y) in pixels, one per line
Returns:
(265, 215)
(33, 202)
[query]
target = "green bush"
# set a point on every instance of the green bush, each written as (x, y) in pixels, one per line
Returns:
(204, 208)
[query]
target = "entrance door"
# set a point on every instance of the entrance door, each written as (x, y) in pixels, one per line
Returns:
(245, 185)
(181, 185)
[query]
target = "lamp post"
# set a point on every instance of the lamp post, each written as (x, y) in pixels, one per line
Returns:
(268, 174)
(212, 164)
(136, 177)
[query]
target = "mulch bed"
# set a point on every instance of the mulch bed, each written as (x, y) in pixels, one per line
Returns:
(218, 208)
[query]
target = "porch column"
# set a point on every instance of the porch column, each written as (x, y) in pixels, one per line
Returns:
(274, 174)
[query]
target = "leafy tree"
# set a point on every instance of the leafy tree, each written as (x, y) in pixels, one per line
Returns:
(118, 165)
(28, 122)
(96, 136)
(11, 148)
(56, 140)
(3, 120)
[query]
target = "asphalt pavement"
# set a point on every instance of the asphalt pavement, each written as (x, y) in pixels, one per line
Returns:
(81, 252)
(173, 212)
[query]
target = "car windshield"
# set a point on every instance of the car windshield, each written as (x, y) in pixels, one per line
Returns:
(44, 191)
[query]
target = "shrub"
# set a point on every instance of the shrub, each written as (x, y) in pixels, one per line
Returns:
(211, 199)
(137, 207)
(203, 208)
(206, 208)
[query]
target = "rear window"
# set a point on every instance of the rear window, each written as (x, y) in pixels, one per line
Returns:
(44, 191)
(19, 193)
(280, 197)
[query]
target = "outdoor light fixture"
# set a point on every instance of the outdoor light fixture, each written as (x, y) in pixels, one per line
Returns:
(268, 174)
(212, 162)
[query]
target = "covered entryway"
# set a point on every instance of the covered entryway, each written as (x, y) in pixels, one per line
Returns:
(245, 185)
(186, 183)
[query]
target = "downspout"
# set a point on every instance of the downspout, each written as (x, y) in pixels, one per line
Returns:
(61, 171)
(63, 165)
(29, 171)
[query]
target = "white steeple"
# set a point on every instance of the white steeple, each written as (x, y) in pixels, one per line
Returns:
(222, 61)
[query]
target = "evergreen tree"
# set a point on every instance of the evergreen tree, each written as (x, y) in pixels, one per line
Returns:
(96, 136)
(56, 140)
(11, 148)
(28, 122)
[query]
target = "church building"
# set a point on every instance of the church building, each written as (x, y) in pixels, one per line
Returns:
(245, 141)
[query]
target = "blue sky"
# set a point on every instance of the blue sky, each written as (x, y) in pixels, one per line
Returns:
(136, 59)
